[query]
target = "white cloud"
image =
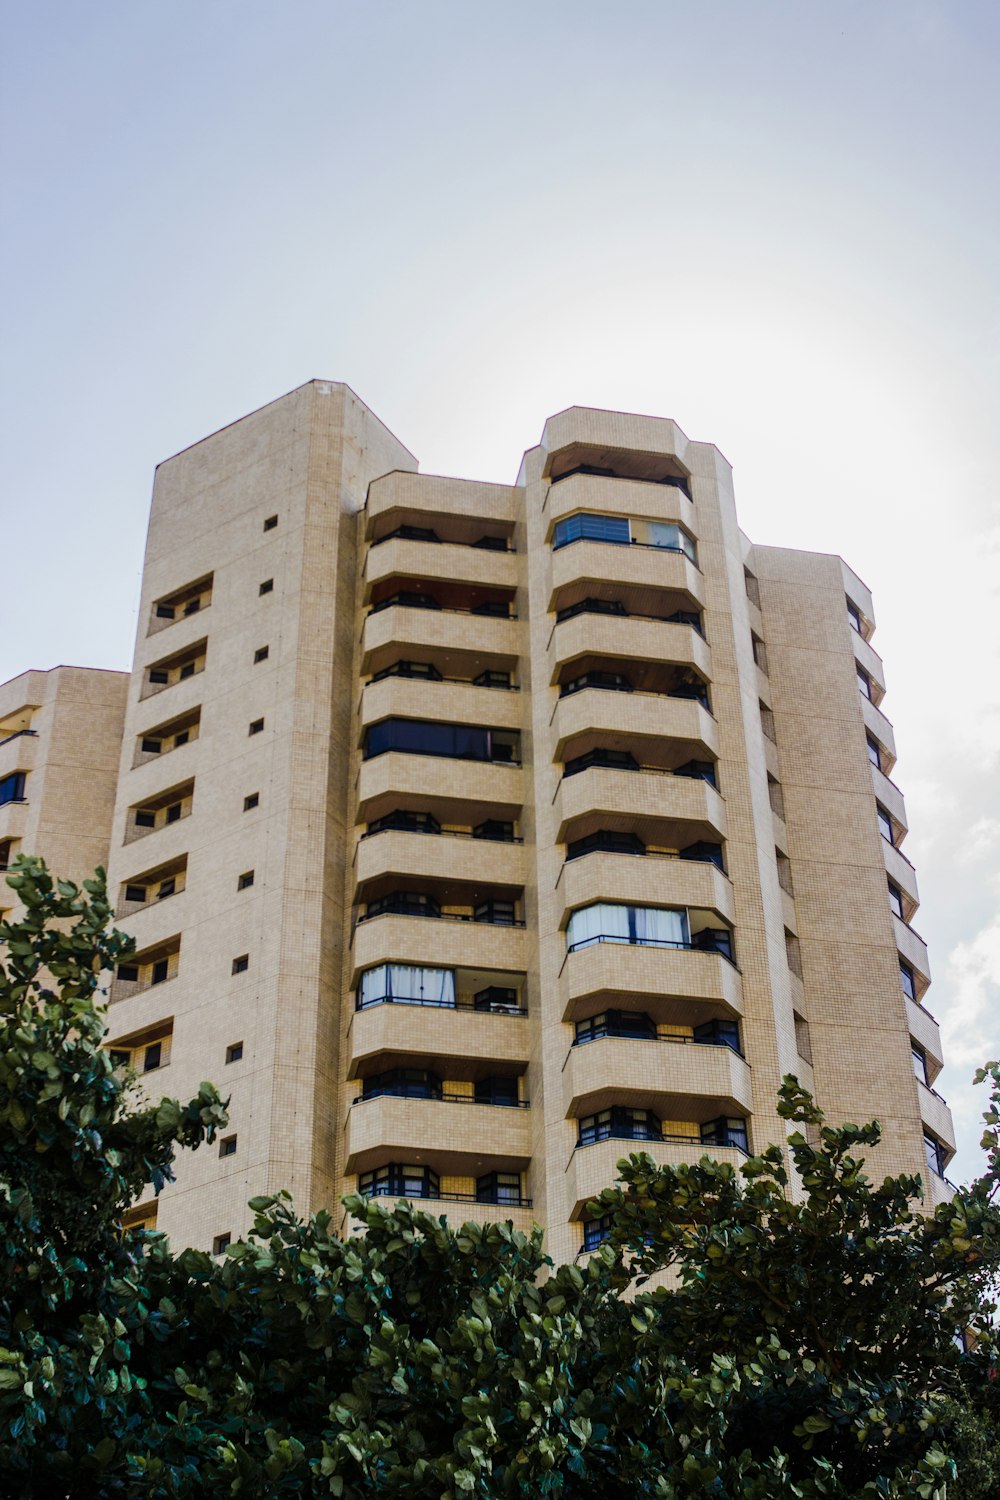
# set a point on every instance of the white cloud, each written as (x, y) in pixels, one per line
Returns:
(972, 981)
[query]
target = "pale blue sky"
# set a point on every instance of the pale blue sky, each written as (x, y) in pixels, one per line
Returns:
(776, 223)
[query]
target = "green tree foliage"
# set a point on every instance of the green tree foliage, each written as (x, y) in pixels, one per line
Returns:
(829, 1342)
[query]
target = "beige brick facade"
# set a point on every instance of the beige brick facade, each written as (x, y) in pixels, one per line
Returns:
(475, 835)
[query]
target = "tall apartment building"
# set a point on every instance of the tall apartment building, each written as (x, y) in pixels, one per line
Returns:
(475, 835)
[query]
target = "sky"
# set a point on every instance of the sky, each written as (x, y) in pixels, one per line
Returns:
(777, 223)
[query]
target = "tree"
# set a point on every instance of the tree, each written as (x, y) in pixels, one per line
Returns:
(841, 1345)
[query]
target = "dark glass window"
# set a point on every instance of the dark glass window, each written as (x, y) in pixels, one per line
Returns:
(874, 751)
(120, 1058)
(404, 904)
(885, 824)
(591, 607)
(407, 599)
(686, 617)
(270, 523)
(500, 608)
(161, 971)
(227, 1146)
(181, 738)
(187, 670)
(698, 770)
(128, 972)
(896, 901)
(499, 1187)
(135, 893)
(499, 1090)
(696, 691)
(592, 528)
(164, 611)
(705, 853)
(158, 676)
(152, 1057)
(403, 1083)
(714, 940)
(492, 679)
(151, 747)
(492, 543)
(908, 980)
(623, 1023)
(615, 682)
(596, 1231)
(919, 1062)
(251, 801)
(234, 1052)
(192, 606)
(854, 616)
(495, 829)
(145, 818)
(399, 1181)
(864, 682)
(611, 760)
(726, 1132)
(606, 842)
(166, 888)
(620, 1123)
(174, 812)
(460, 741)
(496, 997)
(241, 964)
(719, 1033)
(500, 913)
(425, 669)
(409, 534)
(401, 820)
(267, 586)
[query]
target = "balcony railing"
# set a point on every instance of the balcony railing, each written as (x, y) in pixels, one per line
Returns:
(17, 735)
(485, 612)
(445, 916)
(494, 1200)
(635, 1036)
(426, 534)
(442, 1098)
(610, 937)
(618, 1133)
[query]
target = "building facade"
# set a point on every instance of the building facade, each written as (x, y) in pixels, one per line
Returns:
(473, 835)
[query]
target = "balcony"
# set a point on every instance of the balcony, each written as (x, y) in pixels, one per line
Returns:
(469, 789)
(647, 498)
(460, 1139)
(398, 1033)
(439, 857)
(648, 715)
(924, 1030)
(625, 638)
(445, 702)
(679, 1082)
(608, 974)
(402, 557)
(642, 567)
(595, 1167)
(466, 638)
(936, 1116)
(658, 880)
(18, 752)
(429, 500)
(911, 946)
(866, 656)
(900, 871)
(419, 940)
(677, 810)
(877, 724)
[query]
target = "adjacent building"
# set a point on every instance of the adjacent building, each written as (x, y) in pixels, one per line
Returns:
(475, 835)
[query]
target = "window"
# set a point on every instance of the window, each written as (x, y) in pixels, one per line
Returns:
(221, 1244)
(135, 893)
(767, 722)
(803, 1042)
(605, 841)
(874, 751)
(403, 1083)
(152, 1057)
(619, 1123)
(267, 586)
(698, 770)
(759, 652)
(611, 760)
(596, 1231)
(784, 872)
(181, 737)
(718, 1033)
(854, 617)
(227, 1146)
(499, 1187)
(591, 607)
(161, 971)
(241, 964)
(234, 1052)
(406, 984)
(615, 682)
(935, 1153)
(184, 602)
(401, 820)
(496, 830)
(704, 853)
(896, 902)
(919, 1062)
(145, 1057)
(501, 1091)
(174, 812)
(864, 682)
(499, 998)
(609, 922)
(499, 913)
(6, 846)
(752, 587)
(256, 726)
(589, 528)
(406, 599)
(128, 973)
(186, 670)
(403, 904)
(270, 523)
(492, 679)
(793, 952)
(420, 669)
(245, 880)
(460, 741)
(615, 1023)
(159, 676)
(885, 827)
(397, 1180)
(12, 787)
(261, 654)
(251, 801)
(166, 888)
(908, 980)
(151, 747)
(726, 1132)
(776, 797)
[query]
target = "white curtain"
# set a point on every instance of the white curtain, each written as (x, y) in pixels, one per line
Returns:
(403, 982)
(657, 924)
(603, 919)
